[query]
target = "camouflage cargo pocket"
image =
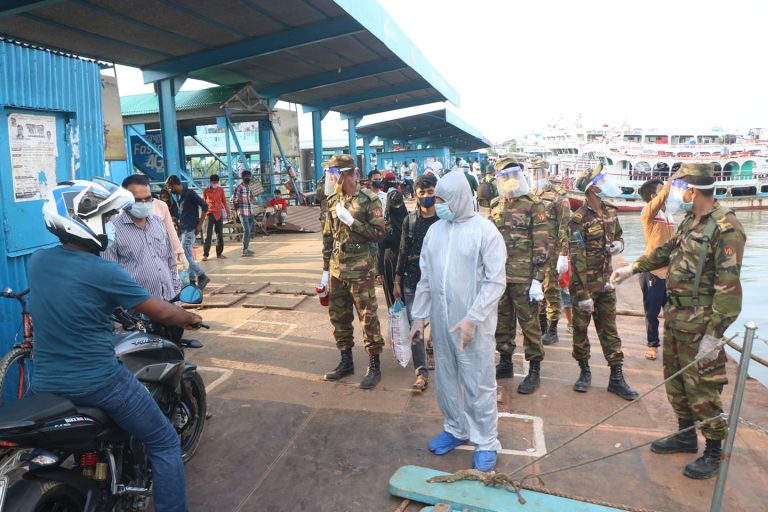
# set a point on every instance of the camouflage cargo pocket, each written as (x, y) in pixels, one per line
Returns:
(712, 373)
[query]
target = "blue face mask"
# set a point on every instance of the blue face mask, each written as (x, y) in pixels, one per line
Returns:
(686, 207)
(109, 230)
(444, 212)
(427, 202)
(141, 210)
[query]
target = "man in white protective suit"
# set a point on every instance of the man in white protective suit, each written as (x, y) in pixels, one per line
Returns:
(462, 278)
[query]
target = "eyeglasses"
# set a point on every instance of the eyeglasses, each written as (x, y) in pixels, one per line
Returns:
(145, 200)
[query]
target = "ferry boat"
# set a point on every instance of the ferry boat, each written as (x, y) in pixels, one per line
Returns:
(634, 156)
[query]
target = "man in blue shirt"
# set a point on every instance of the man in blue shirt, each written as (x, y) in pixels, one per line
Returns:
(72, 294)
(192, 212)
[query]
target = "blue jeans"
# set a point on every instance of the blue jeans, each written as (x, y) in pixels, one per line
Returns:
(247, 221)
(418, 349)
(130, 405)
(187, 240)
(654, 297)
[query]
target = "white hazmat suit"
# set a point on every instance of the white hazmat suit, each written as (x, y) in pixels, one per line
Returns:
(462, 278)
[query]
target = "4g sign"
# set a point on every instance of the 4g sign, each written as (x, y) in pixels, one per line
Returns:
(145, 158)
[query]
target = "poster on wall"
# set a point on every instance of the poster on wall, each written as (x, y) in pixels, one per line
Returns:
(32, 139)
(114, 142)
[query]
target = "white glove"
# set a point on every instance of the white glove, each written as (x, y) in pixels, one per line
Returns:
(343, 214)
(621, 274)
(417, 330)
(615, 247)
(324, 279)
(562, 264)
(586, 305)
(183, 261)
(466, 331)
(535, 294)
(709, 346)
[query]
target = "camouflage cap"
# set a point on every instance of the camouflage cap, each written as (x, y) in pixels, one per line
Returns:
(696, 174)
(583, 181)
(540, 164)
(507, 161)
(343, 161)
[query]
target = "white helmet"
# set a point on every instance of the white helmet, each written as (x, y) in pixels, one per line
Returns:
(78, 211)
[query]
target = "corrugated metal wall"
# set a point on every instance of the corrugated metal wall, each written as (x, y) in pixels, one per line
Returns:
(45, 81)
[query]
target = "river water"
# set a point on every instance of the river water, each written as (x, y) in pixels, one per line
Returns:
(754, 278)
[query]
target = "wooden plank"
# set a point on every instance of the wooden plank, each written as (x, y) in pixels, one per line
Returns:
(273, 301)
(221, 300)
(241, 288)
(411, 482)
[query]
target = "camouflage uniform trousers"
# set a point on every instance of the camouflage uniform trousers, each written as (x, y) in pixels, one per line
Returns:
(551, 287)
(694, 395)
(360, 294)
(515, 305)
(605, 325)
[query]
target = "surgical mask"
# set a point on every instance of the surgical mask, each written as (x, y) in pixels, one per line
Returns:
(444, 212)
(215, 185)
(141, 210)
(109, 230)
(675, 201)
(427, 201)
(377, 183)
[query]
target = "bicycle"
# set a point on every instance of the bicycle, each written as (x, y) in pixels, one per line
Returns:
(16, 366)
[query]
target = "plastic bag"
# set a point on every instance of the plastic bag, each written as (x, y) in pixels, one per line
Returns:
(399, 332)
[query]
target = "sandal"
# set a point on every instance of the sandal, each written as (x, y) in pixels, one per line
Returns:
(421, 383)
(650, 353)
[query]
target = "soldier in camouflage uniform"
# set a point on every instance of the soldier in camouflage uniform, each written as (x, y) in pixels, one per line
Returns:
(321, 198)
(704, 298)
(521, 219)
(354, 224)
(594, 236)
(558, 214)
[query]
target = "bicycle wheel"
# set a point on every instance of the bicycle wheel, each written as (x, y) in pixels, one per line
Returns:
(15, 374)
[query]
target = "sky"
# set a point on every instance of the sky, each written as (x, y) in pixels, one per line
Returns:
(519, 66)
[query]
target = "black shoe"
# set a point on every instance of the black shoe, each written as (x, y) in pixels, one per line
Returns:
(585, 378)
(687, 442)
(543, 319)
(708, 464)
(504, 369)
(202, 281)
(373, 375)
(346, 367)
(617, 384)
(532, 380)
(550, 337)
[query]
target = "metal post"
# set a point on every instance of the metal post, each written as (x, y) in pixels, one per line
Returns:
(317, 142)
(265, 154)
(169, 130)
(352, 129)
(733, 416)
(228, 144)
(366, 157)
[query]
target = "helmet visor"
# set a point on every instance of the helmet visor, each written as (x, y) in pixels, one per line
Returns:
(512, 182)
(607, 185)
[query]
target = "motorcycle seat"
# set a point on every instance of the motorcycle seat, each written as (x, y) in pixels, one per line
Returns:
(32, 409)
(95, 413)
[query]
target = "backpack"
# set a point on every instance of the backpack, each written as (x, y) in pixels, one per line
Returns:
(485, 193)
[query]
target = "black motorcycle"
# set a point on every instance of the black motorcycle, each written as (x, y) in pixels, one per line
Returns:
(70, 458)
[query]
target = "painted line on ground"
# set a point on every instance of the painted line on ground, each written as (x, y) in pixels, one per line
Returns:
(264, 369)
(539, 445)
(284, 342)
(225, 374)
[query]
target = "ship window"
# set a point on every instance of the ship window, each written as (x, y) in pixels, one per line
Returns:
(743, 191)
(764, 189)
(720, 191)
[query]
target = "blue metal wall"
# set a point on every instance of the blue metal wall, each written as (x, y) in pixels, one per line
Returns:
(42, 82)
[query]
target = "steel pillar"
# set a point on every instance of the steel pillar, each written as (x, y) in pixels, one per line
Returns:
(387, 145)
(317, 141)
(166, 93)
(352, 129)
(366, 156)
(265, 153)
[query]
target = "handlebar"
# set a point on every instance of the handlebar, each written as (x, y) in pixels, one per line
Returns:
(8, 294)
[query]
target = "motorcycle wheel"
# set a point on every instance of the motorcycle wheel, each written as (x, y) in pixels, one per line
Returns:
(193, 404)
(41, 495)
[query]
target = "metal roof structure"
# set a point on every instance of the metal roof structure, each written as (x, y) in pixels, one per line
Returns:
(196, 108)
(343, 55)
(439, 128)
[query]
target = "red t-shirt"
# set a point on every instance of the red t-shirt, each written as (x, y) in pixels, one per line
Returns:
(565, 278)
(279, 204)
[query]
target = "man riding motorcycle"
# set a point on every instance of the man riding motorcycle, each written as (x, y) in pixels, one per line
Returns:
(73, 293)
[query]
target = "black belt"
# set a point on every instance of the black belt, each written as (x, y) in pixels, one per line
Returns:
(682, 301)
(350, 247)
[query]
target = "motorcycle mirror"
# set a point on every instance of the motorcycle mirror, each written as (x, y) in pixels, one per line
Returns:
(191, 295)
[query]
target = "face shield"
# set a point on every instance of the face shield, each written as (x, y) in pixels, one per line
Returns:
(539, 178)
(608, 187)
(512, 182)
(332, 177)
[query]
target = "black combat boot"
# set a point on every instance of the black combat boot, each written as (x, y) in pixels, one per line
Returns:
(346, 367)
(532, 380)
(504, 368)
(373, 375)
(708, 464)
(585, 377)
(617, 384)
(550, 337)
(543, 319)
(687, 442)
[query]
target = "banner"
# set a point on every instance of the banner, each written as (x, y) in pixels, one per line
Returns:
(114, 141)
(286, 124)
(144, 157)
